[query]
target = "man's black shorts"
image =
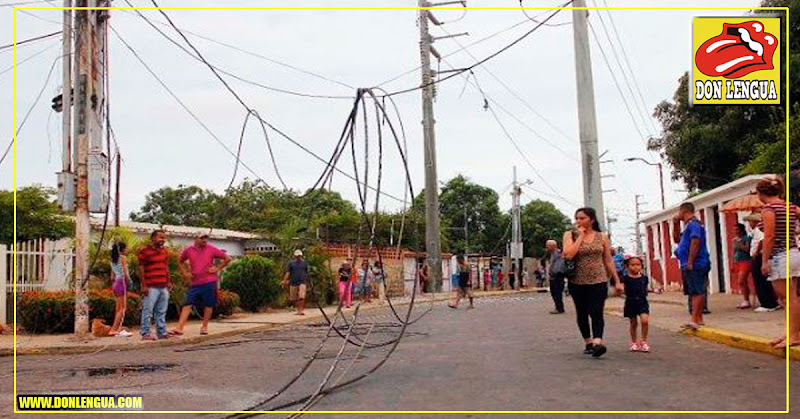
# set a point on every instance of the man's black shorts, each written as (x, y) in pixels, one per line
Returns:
(694, 281)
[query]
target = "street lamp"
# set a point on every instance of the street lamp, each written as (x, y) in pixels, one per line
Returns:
(660, 176)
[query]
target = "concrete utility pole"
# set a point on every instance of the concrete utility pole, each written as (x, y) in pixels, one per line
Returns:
(83, 94)
(636, 226)
(90, 166)
(592, 190)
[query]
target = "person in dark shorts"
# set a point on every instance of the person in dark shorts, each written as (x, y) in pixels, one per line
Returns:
(637, 309)
(296, 276)
(464, 286)
(694, 260)
(197, 262)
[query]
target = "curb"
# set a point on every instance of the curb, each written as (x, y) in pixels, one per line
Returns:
(128, 346)
(730, 338)
(742, 341)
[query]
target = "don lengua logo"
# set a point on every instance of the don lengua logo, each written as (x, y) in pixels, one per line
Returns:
(736, 61)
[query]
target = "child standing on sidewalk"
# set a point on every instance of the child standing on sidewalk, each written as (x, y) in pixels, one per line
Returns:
(636, 306)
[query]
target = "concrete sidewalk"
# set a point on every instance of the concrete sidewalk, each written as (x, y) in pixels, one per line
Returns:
(41, 344)
(726, 324)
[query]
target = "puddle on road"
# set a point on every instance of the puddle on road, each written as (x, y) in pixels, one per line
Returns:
(114, 371)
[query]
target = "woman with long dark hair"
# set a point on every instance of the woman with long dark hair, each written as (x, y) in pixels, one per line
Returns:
(780, 256)
(590, 249)
(120, 278)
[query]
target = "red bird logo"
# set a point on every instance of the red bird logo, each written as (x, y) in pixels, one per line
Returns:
(740, 49)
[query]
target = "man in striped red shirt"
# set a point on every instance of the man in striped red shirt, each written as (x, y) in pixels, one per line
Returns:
(156, 283)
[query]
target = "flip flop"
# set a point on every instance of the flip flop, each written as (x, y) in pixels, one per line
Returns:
(175, 332)
(203, 331)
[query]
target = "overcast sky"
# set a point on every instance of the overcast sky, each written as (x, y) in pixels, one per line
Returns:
(163, 146)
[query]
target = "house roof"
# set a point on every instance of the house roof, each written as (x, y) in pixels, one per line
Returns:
(186, 231)
(721, 194)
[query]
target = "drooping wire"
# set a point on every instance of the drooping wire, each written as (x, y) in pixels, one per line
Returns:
(181, 103)
(533, 18)
(232, 75)
(485, 59)
(28, 58)
(480, 41)
(517, 96)
(248, 108)
(30, 109)
(616, 82)
(29, 40)
(257, 55)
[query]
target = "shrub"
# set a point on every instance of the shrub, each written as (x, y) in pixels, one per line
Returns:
(54, 311)
(227, 301)
(255, 280)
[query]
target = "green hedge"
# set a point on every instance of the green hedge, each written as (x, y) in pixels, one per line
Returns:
(54, 311)
(256, 281)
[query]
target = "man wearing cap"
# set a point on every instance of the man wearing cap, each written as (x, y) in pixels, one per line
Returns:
(197, 262)
(297, 277)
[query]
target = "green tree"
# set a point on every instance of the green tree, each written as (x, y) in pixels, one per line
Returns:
(710, 145)
(38, 215)
(466, 203)
(184, 205)
(541, 221)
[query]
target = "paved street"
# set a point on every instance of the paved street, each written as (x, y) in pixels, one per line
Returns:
(507, 354)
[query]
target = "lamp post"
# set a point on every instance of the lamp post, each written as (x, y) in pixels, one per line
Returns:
(660, 176)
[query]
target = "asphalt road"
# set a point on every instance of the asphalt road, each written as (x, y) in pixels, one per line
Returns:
(506, 354)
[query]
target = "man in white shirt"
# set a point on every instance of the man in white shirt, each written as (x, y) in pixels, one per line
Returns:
(764, 291)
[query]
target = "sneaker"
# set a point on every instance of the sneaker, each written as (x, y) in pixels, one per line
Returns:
(148, 337)
(690, 325)
(644, 347)
(124, 333)
(706, 311)
(744, 305)
(635, 347)
(598, 350)
(761, 310)
(589, 349)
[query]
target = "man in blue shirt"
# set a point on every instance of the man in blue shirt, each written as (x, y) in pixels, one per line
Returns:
(692, 253)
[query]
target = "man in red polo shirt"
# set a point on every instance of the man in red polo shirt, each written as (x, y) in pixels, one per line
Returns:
(197, 263)
(156, 283)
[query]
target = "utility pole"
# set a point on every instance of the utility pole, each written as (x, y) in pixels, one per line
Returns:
(660, 176)
(516, 252)
(610, 219)
(90, 162)
(636, 226)
(83, 94)
(432, 230)
(432, 224)
(116, 192)
(592, 190)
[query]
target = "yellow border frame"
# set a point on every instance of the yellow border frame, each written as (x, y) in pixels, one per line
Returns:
(786, 43)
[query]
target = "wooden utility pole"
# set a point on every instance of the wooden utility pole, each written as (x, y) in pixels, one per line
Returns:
(116, 191)
(432, 230)
(592, 189)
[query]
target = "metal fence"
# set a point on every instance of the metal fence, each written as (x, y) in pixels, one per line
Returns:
(41, 264)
